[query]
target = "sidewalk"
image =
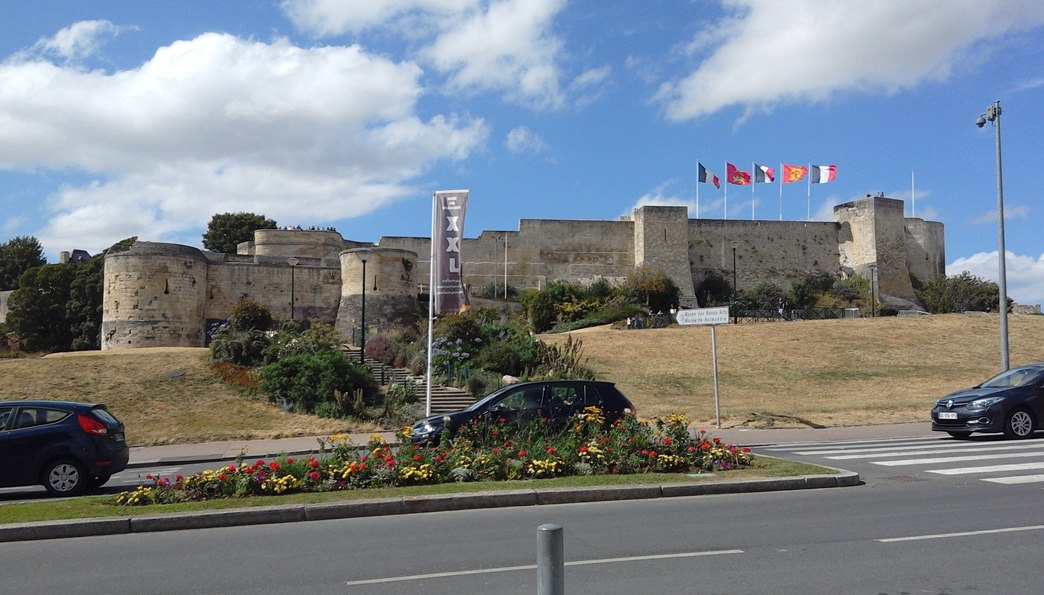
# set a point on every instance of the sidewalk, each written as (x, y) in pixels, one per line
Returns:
(147, 456)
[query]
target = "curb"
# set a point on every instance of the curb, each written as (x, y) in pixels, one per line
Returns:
(407, 505)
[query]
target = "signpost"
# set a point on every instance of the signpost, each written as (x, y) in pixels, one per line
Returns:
(711, 317)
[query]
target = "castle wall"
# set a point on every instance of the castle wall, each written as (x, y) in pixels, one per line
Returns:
(925, 251)
(389, 284)
(283, 243)
(316, 289)
(779, 252)
(874, 232)
(155, 295)
(661, 241)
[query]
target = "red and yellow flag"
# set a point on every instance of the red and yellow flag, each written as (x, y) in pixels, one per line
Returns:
(735, 176)
(794, 173)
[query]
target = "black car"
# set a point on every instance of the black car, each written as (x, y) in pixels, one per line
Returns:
(555, 400)
(66, 447)
(1011, 402)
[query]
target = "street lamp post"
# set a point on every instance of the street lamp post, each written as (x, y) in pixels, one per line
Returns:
(993, 114)
(735, 315)
(362, 342)
(293, 266)
(496, 242)
(873, 292)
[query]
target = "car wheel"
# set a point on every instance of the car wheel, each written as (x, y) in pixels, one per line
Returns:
(1018, 424)
(65, 477)
(960, 435)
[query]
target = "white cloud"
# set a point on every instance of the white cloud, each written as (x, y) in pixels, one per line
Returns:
(1010, 212)
(661, 197)
(508, 48)
(219, 123)
(1024, 275)
(522, 139)
(499, 46)
(779, 51)
(78, 40)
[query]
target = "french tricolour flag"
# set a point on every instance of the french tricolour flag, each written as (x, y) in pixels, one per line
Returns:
(821, 174)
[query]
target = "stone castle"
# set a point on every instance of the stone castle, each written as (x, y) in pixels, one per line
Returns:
(159, 294)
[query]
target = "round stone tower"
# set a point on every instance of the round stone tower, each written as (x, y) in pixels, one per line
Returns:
(154, 296)
(389, 285)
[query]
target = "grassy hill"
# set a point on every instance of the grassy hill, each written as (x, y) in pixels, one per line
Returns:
(834, 372)
(830, 372)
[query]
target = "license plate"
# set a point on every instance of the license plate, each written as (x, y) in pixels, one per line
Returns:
(117, 437)
(947, 415)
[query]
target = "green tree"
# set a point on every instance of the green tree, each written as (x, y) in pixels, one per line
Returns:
(714, 290)
(37, 309)
(652, 287)
(16, 257)
(227, 230)
(959, 293)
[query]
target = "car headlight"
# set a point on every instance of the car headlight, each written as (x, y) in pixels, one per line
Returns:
(423, 429)
(984, 403)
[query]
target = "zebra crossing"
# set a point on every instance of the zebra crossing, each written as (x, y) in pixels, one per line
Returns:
(995, 461)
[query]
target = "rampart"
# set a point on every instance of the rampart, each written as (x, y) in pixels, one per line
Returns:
(168, 295)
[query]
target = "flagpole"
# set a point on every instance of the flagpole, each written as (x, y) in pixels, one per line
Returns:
(697, 189)
(913, 195)
(808, 211)
(753, 183)
(781, 190)
(726, 197)
(431, 308)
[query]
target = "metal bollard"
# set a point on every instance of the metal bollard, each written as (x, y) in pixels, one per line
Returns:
(550, 560)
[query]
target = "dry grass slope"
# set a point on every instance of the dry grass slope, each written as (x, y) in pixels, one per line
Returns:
(163, 396)
(831, 372)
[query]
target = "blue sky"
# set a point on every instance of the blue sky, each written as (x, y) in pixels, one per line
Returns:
(129, 118)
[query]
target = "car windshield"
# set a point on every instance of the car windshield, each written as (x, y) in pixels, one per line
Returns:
(1014, 378)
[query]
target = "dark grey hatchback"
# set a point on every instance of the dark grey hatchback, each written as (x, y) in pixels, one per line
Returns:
(66, 447)
(553, 400)
(1011, 402)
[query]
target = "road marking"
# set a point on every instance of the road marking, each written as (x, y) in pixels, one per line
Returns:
(932, 461)
(993, 469)
(908, 447)
(843, 446)
(1015, 479)
(418, 577)
(940, 450)
(962, 534)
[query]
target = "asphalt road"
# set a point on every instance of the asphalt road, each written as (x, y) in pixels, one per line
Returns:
(912, 528)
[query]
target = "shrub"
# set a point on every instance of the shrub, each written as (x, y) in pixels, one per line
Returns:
(291, 340)
(652, 287)
(886, 311)
(302, 382)
(714, 290)
(383, 350)
(240, 347)
(251, 315)
(959, 293)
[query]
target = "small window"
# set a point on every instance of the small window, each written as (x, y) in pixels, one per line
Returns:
(5, 414)
(29, 417)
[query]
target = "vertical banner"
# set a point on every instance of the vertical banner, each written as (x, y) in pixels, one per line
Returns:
(447, 235)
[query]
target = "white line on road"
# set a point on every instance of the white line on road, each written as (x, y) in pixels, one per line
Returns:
(938, 443)
(417, 577)
(962, 534)
(932, 461)
(993, 469)
(940, 450)
(1016, 479)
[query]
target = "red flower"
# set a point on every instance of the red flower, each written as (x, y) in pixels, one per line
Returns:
(691, 449)
(314, 475)
(438, 458)
(417, 458)
(501, 421)
(148, 476)
(703, 431)
(704, 446)
(223, 477)
(551, 450)
(313, 463)
(666, 441)
(179, 477)
(645, 453)
(746, 450)
(717, 440)
(231, 469)
(289, 461)
(389, 459)
(583, 449)
(521, 453)
(653, 454)
(274, 466)
(496, 451)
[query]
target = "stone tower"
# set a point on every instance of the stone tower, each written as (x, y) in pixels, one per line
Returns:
(390, 285)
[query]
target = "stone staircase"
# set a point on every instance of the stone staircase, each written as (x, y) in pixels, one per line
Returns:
(443, 398)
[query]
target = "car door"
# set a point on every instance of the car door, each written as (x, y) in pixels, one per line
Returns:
(524, 402)
(32, 432)
(565, 399)
(6, 466)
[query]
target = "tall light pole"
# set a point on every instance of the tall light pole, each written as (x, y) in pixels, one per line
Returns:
(293, 266)
(873, 292)
(993, 114)
(496, 242)
(735, 289)
(362, 343)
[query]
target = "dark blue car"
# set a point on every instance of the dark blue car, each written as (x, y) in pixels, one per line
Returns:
(1011, 402)
(68, 448)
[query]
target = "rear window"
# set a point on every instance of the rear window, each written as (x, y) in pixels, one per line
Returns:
(612, 397)
(104, 416)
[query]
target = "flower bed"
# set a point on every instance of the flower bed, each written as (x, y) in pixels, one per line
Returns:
(483, 451)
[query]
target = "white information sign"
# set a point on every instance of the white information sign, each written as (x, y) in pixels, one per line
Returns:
(703, 316)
